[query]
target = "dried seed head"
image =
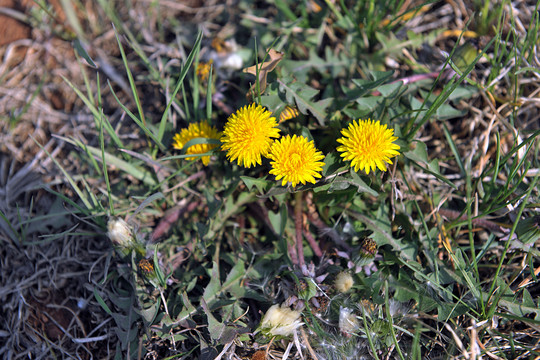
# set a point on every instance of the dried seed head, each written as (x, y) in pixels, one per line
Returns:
(123, 237)
(344, 282)
(280, 321)
(348, 323)
(120, 232)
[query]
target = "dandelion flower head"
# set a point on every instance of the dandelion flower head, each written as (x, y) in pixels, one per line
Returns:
(368, 145)
(295, 160)
(203, 70)
(248, 134)
(197, 130)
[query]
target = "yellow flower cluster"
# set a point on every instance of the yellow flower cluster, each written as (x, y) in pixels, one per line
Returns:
(251, 133)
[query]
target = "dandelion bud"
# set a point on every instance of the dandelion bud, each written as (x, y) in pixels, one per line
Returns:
(368, 248)
(146, 267)
(344, 282)
(305, 288)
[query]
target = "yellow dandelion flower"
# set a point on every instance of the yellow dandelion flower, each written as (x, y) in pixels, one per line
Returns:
(203, 70)
(197, 130)
(146, 266)
(295, 160)
(248, 135)
(368, 145)
(288, 113)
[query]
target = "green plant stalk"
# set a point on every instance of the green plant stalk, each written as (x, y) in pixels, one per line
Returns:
(350, 17)
(497, 160)
(298, 227)
(180, 85)
(79, 192)
(390, 320)
(447, 90)
(143, 127)
(469, 199)
(195, 92)
(131, 80)
(503, 195)
(156, 76)
(510, 235)
(257, 70)
(102, 146)
(484, 14)
(434, 264)
(96, 113)
(209, 96)
(140, 174)
(438, 286)
(368, 334)
(184, 98)
(416, 351)
(85, 79)
(72, 18)
(17, 236)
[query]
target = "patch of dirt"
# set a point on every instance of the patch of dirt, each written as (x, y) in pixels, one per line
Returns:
(11, 29)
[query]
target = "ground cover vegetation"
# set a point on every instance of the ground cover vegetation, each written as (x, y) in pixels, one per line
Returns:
(270, 180)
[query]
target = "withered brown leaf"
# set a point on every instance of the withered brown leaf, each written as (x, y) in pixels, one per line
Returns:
(264, 69)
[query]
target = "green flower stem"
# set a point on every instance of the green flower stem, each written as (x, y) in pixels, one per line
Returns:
(298, 227)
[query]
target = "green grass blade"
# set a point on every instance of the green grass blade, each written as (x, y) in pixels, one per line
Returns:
(143, 127)
(131, 80)
(123, 165)
(179, 85)
(72, 182)
(96, 113)
(209, 96)
(454, 149)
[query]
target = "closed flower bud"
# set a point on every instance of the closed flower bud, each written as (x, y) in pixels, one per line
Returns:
(368, 248)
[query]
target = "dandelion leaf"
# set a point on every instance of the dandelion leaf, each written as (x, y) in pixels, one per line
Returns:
(214, 286)
(404, 288)
(365, 86)
(302, 95)
(390, 90)
(126, 322)
(333, 164)
(278, 219)
(260, 183)
(382, 234)
(215, 327)
(233, 282)
(522, 308)
(449, 310)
